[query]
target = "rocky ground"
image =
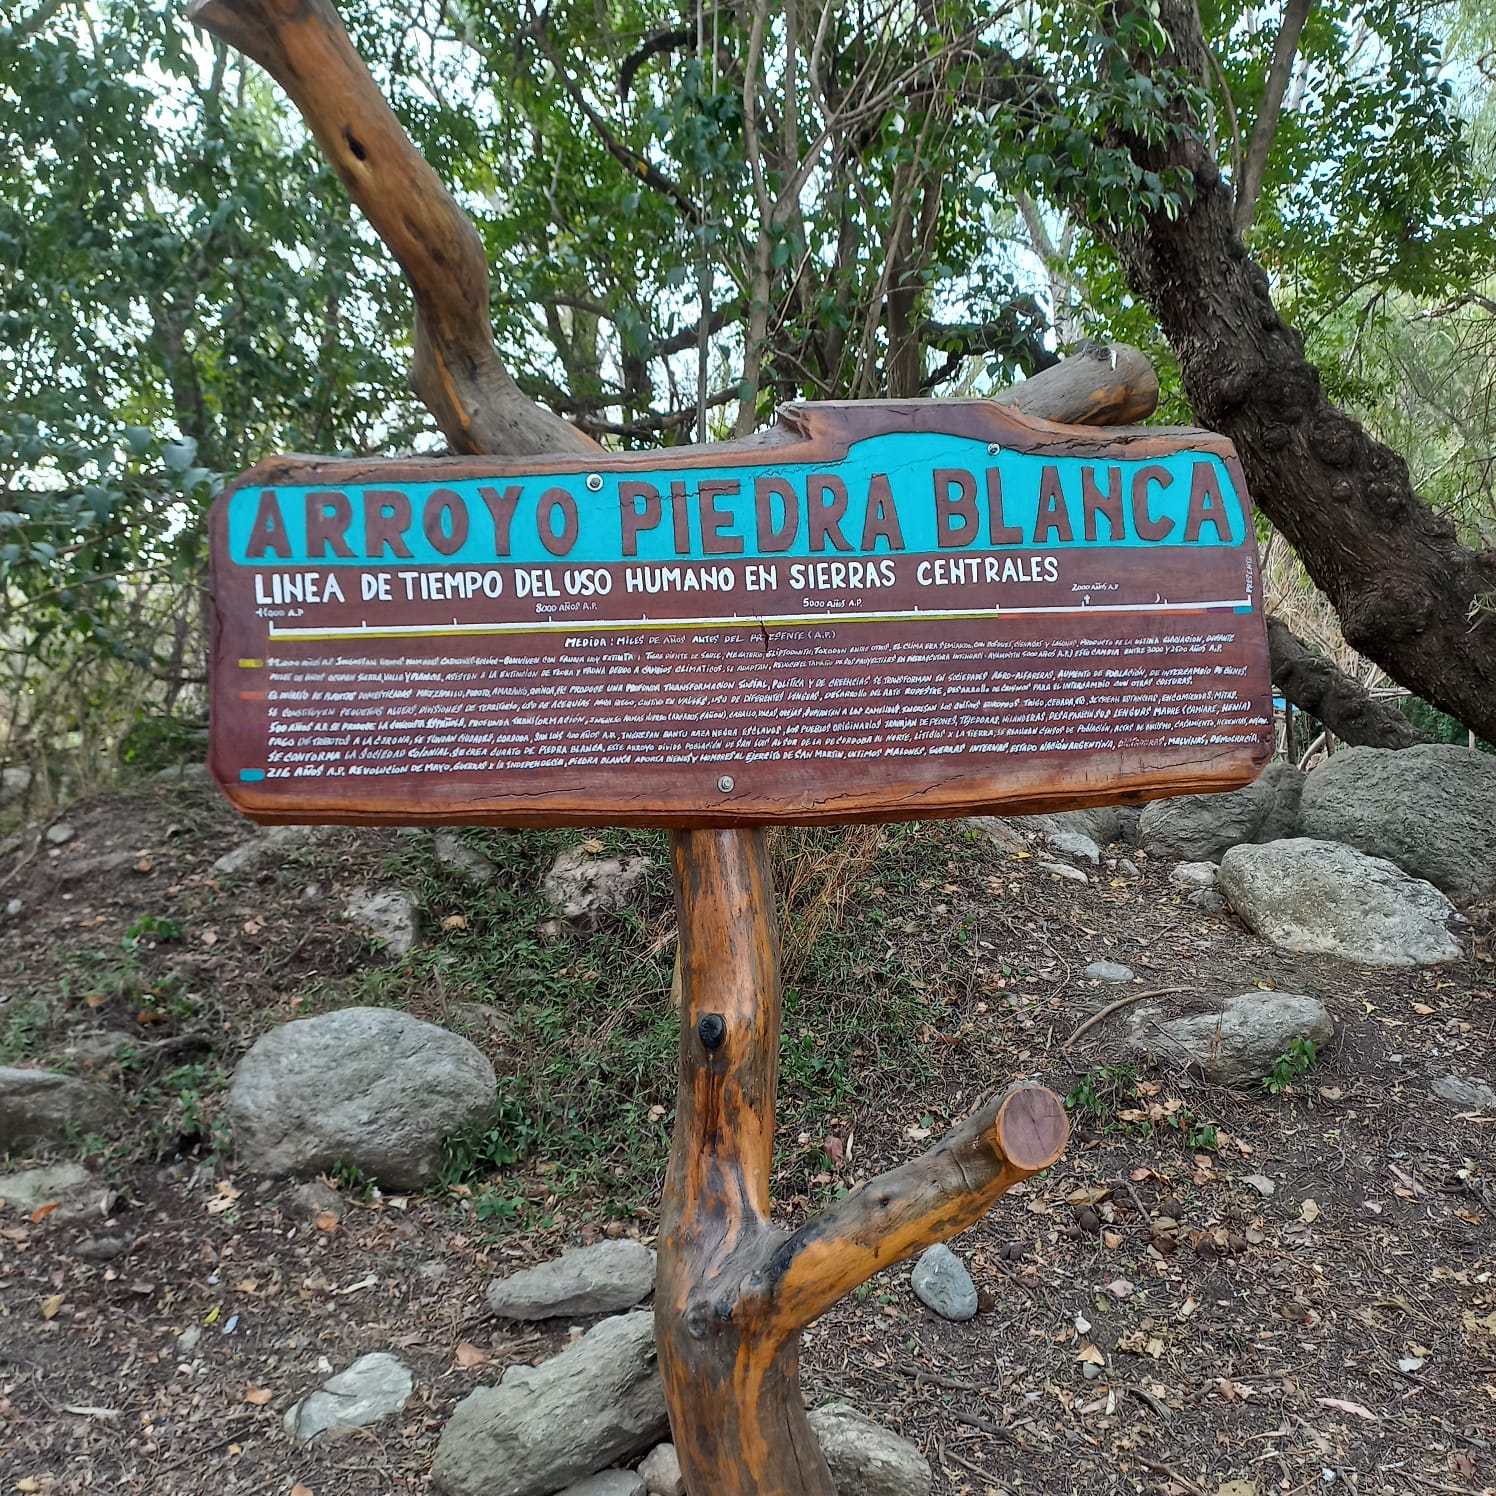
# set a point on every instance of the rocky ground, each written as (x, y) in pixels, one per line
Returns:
(1277, 1280)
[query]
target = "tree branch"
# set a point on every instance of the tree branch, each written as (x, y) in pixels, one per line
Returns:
(1259, 148)
(456, 370)
(1318, 686)
(929, 1199)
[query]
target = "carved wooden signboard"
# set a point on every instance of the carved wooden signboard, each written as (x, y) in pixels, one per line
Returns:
(878, 611)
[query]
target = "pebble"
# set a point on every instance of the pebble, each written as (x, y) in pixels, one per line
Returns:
(660, 1470)
(14, 907)
(942, 1283)
(1061, 870)
(59, 834)
(1107, 971)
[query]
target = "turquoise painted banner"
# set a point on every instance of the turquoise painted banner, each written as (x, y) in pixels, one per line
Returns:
(897, 493)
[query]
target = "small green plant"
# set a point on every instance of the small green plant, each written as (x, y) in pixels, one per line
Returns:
(350, 1179)
(151, 928)
(493, 1206)
(22, 1031)
(479, 1150)
(1287, 1068)
(1103, 1091)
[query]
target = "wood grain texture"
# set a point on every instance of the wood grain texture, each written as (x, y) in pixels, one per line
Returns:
(456, 370)
(733, 1294)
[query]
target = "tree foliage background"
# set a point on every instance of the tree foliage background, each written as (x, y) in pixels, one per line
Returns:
(692, 214)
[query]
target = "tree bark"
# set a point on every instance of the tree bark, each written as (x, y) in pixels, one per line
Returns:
(455, 370)
(732, 1294)
(1318, 686)
(1409, 595)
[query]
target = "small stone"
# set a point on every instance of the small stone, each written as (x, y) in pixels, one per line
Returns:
(942, 1283)
(277, 841)
(1074, 844)
(44, 1106)
(581, 889)
(1261, 1183)
(1193, 875)
(98, 1048)
(390, 915)
(1128, 869)
(661, 1471)
(59, 834)
(315, 1198)
(1090, 1370)
(608, 1483)
(33, 1187)
(1063, 870)
(374, 1387)
(100, 1248)
(14, 907)
(866, 1459)
(454, 853)
(1208, 900)
(1473, 1095)
(600, 1279)
(1107, 971)
(188, 1339)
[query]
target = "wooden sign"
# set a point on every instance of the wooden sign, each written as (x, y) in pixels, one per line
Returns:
(876, 611)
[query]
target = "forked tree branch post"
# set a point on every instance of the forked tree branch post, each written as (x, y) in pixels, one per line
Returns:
(733, 1293)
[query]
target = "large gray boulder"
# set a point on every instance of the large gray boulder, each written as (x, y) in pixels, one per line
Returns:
(866, 1459)
(1430, 809)
(370, 1087)
(1200, 828)
(44, 1106)
(1329, 899)
(546, 1427)
(1237, 1043)
(600, 1279)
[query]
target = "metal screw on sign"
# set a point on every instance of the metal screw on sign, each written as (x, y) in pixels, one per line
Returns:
(594, 481)
(725, 783)
(993, 448)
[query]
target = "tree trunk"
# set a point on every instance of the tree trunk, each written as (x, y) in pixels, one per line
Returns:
(1409, 595)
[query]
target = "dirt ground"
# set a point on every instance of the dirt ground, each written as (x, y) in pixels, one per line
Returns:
(1151, 1322)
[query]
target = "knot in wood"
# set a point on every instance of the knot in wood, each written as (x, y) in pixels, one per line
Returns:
(712, 1030)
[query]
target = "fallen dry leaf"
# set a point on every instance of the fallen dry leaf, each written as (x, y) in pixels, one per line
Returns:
(455, 922)
(1309, 1212)
(326, 1221)
(43, 1211)
(469, 1356)
(257, 1396)
(1343, 1405)
(300, 1490)
(51, 1305)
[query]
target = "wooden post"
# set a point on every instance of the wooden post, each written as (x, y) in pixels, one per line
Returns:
(733, 1293)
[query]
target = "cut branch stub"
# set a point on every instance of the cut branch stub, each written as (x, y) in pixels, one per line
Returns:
(926, 1200)
(456, 370)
